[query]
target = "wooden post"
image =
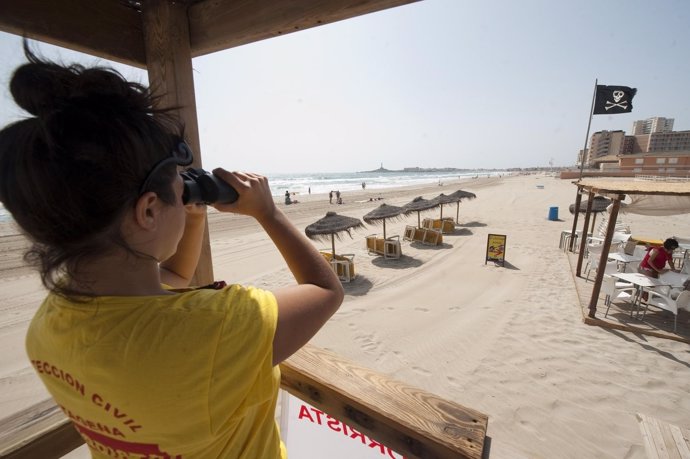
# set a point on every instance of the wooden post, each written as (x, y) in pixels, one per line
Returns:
(581, 255)
(578, 199)
(604, 256)
(169, 63)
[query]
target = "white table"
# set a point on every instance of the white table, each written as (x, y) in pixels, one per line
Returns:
(640, 281)
(624, 258)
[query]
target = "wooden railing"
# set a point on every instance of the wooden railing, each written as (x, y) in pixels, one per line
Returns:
(409, 420)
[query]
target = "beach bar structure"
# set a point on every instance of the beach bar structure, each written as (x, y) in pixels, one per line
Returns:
(162, 36)
(675, 199)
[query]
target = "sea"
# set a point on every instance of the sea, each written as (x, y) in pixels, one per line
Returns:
(322, 183)
(349, 181)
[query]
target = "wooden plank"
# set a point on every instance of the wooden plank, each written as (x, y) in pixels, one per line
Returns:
(646, 437)
(663, 440)
(169, 64)
(667, 438)
(107, 29)
(218, 25)
(40, 431)
(411, 421)
(681, 438)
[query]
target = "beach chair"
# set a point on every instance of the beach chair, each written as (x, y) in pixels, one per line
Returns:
(343, 265)
(665, 302)
(432, 237)
(445, 225)
(373, 246)
(409, 233)
(389, 247)
(615, 290)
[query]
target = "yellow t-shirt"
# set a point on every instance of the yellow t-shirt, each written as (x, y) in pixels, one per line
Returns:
(188, 375)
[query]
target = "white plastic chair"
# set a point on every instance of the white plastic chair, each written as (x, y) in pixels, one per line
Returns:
(593, 257)
(667, 303)
(613, 290)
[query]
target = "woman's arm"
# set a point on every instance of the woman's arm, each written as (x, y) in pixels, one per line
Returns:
(304, 308)
(178, 270)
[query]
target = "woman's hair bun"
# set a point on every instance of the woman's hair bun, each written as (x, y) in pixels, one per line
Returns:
(43, 87)
(40, 87)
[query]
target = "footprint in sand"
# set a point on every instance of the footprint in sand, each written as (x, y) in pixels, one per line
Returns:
(368, 342)
(421, 371)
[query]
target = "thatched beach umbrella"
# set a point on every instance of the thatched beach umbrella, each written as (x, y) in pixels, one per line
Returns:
(442, 199)
(419, 204)
(599, 204)
(332, 225)
(381, 213)
(459, 196)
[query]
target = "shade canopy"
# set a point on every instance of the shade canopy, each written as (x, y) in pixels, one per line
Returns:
(381, 213)
(444, 199)
(461, 194)
(331, 224)
(330, 227)
(419, 204)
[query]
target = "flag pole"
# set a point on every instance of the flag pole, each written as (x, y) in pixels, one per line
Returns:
(589, 124)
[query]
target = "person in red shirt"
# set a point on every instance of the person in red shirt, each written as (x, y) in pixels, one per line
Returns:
(654, 262)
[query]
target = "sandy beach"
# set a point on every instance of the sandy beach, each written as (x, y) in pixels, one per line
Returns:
(506, 341)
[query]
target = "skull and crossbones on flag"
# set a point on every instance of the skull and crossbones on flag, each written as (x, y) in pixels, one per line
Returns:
(610, 100)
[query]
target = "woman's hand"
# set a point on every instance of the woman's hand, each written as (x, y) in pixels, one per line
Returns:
(254, 193)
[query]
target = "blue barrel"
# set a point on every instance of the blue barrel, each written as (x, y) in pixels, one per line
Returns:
(553, 213)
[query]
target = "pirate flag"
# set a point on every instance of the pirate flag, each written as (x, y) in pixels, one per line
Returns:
(613, 99)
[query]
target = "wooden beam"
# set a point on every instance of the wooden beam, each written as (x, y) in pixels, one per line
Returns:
(585, 232)
(604, 255)
(107, 29)
(578, 200)
(169, 63)
(412, 422)
(218, 25)
(41, 430)
(409, 420)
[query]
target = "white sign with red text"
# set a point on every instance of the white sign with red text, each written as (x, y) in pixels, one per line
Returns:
(309, 433)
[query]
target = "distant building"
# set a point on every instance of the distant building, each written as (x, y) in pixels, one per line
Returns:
(651, 125)
(605, 144)
(654, 148)
(657, 163)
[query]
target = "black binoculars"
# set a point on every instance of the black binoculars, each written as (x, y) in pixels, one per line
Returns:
(202, 187)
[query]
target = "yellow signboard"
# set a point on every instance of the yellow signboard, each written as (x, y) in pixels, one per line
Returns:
(496, 248)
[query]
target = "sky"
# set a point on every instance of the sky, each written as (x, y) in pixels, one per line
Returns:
(438, 83)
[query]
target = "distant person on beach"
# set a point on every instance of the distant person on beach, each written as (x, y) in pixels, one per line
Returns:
(330, 197)
(337, 195)
(364, 185)
(287, 198)
(654, 261)
(139, 360)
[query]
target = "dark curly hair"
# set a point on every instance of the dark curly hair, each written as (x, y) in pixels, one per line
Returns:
(670, 244)
(70, 172)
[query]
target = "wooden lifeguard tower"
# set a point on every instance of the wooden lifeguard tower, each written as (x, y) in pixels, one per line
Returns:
(162, 36)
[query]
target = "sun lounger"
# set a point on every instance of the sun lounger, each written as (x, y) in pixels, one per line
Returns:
(445, 225)
(424, 235)
(389, 247)
(343, 265)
